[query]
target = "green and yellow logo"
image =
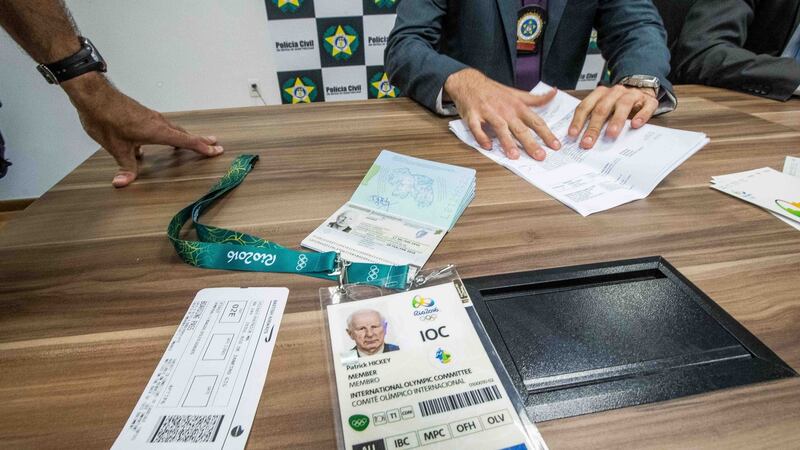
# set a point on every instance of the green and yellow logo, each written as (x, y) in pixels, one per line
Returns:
(288, 6)
(385, 3)
(340, 42)
(422, 302)
(358, 422)
(443, 356)
(790, 207)
(299, 90)
(380, 87)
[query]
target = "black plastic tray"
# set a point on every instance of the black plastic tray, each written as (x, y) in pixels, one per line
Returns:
(589, 338)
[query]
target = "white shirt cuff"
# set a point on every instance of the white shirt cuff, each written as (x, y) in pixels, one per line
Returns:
(447, 109)
(797, 91)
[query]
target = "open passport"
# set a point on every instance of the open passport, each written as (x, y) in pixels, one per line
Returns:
(399, 213)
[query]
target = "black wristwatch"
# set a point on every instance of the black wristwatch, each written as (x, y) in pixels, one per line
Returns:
(87, 59)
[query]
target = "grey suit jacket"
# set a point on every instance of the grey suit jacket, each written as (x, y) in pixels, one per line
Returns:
(432, 39)
(737, 45)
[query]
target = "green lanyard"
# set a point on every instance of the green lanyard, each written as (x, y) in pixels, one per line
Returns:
(218, 248)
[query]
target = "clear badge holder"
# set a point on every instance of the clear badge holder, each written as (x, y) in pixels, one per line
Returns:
(392, 435)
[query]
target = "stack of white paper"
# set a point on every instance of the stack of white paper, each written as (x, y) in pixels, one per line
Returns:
(778, 193)
(614, 172)
(399, 213)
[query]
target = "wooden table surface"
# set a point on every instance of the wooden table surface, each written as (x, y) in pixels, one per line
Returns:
(91, 290)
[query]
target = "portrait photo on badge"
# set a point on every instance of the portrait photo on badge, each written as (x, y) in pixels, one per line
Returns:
(368, 332)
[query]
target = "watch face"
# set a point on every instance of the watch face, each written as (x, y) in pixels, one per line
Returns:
(643, 81)
(95, 54)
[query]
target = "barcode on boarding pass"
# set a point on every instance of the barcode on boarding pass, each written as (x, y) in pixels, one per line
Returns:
(187, 428)
(458, 401)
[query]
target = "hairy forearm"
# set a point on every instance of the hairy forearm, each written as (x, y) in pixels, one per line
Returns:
(46, 31)
(44, 28)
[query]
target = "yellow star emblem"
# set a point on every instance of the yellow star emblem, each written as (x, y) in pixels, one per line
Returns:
(300, 92)
(384, 88)
(340, 42)
(288, 2)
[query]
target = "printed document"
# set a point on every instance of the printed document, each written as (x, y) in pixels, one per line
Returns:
(204, 392)
(399, 213)
(791, 166)
(411, 372)
(778, 193)
(614, 172)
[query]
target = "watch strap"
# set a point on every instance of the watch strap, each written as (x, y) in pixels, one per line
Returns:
(87, 59)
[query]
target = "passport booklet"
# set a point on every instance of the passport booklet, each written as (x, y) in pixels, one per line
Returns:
(399, 213)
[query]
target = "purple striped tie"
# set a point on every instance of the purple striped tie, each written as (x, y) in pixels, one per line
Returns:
(528, 67)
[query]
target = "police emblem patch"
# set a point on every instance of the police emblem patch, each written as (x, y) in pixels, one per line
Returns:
(530, 29)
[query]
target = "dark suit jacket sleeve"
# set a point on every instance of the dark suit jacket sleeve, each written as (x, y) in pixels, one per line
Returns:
(411, 57)
(710, 51)
(632, 38)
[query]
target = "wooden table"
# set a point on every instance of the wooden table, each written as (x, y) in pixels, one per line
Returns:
(784, 113)
(91, 291)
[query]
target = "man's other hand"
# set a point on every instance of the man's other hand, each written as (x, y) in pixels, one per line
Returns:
(482, 101)
(121, 125)
(613, 105)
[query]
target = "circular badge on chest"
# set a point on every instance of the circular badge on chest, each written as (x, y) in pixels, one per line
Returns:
(530, 27)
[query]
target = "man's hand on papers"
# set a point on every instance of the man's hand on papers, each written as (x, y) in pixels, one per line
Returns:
(613, 105)
(618, 171)
(506, 110)
(122, 125)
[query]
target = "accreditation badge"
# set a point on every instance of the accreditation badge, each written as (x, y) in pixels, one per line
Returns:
(530, 29)
(411, 372)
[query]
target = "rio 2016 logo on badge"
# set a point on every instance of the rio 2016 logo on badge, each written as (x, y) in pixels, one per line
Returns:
(425, 309)
(385, 3)
(341, 42)
(443, 356)
(288, 6)
(421, 302)
(299, 90)
(379, 86)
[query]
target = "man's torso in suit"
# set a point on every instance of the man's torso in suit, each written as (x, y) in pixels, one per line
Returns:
(434, 38)
(471, 36)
